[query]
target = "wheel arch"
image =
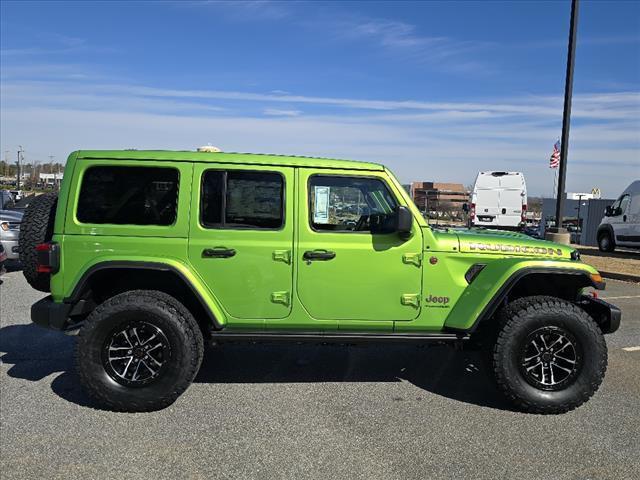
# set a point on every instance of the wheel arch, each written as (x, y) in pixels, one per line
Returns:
(561, 282)
(107, 278)
(606, 227)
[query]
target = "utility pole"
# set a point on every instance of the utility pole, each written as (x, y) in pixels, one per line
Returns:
(20, 152)
(579, 226)
(559, 234)
(51, 169)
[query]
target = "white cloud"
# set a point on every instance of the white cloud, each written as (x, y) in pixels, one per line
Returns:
(448, 141)
(277, 112)
(621, 106)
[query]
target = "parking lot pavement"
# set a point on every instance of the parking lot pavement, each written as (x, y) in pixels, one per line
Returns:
(311, 412)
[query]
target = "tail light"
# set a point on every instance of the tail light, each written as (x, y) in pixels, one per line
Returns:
(523, 215)
(472, 211)
(48, 257)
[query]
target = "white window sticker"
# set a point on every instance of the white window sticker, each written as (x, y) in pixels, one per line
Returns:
(321, 205)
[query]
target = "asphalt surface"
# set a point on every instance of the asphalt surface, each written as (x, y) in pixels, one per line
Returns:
(282, 411)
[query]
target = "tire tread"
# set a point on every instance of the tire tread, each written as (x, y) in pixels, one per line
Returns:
(510, 317)
(184, 321)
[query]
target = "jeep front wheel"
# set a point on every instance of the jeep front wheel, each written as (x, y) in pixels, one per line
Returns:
(138, 351)
(550, 356)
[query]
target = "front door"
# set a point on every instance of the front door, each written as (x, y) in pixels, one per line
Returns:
(619, 219)
(241, 237)
(351, 266)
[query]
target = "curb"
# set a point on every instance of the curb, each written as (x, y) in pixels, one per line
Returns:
(624, 277)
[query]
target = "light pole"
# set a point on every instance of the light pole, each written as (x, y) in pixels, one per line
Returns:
(20, 150)
(559, 234)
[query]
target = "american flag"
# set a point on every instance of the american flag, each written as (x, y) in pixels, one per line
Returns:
(554, 161)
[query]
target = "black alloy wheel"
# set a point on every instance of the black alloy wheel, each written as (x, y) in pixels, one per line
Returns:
(136, 354)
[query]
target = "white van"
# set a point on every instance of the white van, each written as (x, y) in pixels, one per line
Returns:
(621, 223)
(499, 200)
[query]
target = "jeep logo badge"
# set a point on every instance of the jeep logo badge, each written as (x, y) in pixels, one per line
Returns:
(434, 301)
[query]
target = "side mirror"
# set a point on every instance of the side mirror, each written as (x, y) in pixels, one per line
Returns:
(608, 211)
(465, 207)
(404, 221)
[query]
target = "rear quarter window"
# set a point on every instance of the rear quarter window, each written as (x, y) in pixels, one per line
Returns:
(128, 196)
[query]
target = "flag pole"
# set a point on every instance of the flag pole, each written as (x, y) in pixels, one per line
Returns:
(559, 233)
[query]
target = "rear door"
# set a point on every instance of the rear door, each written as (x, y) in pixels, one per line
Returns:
(511, 200)
(241, 238)
(487, 205)
(510, 214)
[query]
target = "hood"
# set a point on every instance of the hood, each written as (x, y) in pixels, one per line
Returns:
(474, 240)
(10, 216)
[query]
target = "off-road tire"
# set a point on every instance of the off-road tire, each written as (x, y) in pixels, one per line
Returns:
(524, 316)
(156, 308)
(605, 242)
(36, 227)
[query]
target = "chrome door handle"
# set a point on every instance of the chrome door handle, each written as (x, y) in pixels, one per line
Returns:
(218, 252)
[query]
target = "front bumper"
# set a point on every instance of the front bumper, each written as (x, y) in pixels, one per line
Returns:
(606, 315)
(50, 314)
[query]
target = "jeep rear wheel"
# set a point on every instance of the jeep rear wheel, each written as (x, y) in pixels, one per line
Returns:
(549, 356)
(36, 228)
(138, 351)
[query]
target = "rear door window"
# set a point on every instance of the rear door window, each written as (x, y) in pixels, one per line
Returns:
(128, 196)
(242, 199)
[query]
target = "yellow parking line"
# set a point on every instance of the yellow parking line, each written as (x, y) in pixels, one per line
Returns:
(631, 349)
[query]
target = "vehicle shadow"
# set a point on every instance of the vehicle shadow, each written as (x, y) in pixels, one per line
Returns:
(439, 369)
(33, 353)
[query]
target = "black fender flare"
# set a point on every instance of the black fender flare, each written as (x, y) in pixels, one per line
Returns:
(82, 284)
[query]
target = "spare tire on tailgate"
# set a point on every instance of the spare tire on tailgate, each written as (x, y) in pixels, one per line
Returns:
(37, 228)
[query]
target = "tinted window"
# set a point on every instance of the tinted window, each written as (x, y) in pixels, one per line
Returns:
(238, 199)
(347, 204)
(129, 196)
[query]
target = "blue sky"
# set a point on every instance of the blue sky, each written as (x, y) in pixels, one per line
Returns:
(437, 91)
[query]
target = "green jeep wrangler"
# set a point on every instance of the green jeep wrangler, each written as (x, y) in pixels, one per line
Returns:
(147, 254)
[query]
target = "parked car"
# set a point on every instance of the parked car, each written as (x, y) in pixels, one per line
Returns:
(9, 225)
(532, 231)
(3, 257)
(10, 232)
(499, 200)
(154, 252)
(621, 223)
(17, 195)
(6, 200)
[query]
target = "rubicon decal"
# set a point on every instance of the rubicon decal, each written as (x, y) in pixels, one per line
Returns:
(437, 302)
(516, 249)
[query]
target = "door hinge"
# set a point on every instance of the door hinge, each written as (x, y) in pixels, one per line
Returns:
(410, 299)
(282, 256)
(412, 258)
(280, 297)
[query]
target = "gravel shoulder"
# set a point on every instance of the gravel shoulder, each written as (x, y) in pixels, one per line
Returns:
(621, 264)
